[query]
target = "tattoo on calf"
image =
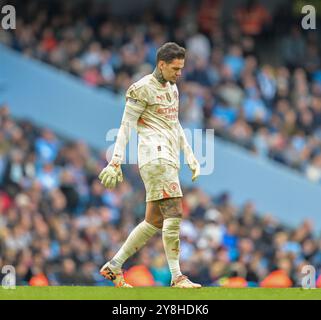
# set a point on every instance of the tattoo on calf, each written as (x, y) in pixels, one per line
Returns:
(171, 208)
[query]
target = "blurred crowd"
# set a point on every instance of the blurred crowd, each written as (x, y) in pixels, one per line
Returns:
(254, 77)
(58, 225)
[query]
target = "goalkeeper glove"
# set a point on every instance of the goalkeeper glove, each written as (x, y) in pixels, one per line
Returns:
(111, 175)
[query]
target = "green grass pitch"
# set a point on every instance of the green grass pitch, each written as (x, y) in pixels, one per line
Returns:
(156, 293)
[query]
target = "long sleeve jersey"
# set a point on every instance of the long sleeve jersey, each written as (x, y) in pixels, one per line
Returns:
(152, 109)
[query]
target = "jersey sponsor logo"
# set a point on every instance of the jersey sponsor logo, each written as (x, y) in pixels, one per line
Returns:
(170, 113)
(170, 110)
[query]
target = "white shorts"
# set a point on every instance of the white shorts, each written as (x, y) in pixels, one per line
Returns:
(161, 180)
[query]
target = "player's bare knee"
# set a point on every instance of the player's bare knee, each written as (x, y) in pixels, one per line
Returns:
(158, 223)
(171, 208)
(153, 215)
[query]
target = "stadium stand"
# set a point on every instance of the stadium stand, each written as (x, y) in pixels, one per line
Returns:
(228, 84)
(58, 224)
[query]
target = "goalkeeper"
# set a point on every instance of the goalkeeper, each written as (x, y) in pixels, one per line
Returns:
(152, 109)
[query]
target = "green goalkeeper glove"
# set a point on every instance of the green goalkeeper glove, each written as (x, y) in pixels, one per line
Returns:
(111, 175)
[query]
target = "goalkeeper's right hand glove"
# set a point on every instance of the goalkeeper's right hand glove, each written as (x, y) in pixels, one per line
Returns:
(111, 175)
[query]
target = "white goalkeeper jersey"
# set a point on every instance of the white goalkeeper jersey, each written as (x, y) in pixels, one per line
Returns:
(152, 108)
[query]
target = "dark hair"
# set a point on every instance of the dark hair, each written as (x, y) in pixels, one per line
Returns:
(170, 51)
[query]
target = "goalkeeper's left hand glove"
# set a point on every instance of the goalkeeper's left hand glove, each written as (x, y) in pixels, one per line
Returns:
(194, 166)
(111, 175)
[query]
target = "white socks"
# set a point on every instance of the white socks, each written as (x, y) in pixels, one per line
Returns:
(142, 233)
(171, 228)
(136, 239)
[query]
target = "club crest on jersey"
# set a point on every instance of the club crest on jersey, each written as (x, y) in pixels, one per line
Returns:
(173, 186)
(175, 95)
(168, 96)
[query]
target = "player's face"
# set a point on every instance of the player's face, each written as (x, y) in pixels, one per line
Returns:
(173, 70)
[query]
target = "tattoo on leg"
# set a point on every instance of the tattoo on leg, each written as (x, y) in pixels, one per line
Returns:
(170, 208)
